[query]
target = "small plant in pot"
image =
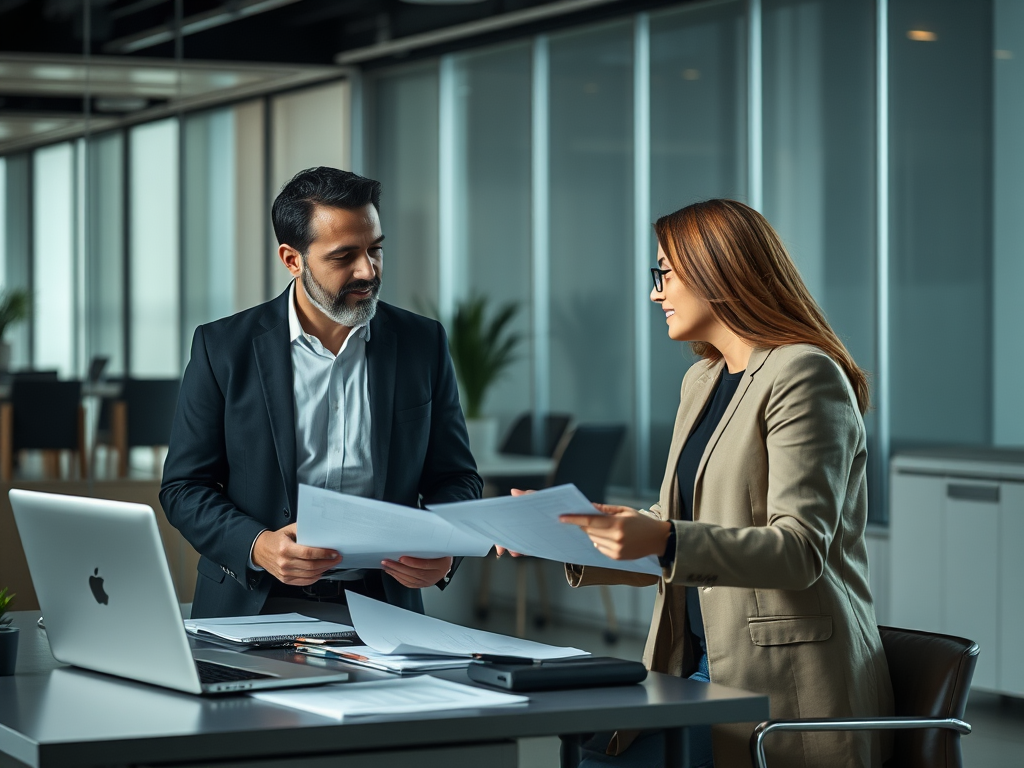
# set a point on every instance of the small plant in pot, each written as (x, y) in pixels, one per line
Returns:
(481, 350)
(8, 636)
(14, 307)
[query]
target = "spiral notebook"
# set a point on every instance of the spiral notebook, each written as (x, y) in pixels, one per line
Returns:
(269, 629)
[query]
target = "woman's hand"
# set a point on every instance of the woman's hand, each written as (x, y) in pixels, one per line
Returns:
(501, 550)
(622, 533)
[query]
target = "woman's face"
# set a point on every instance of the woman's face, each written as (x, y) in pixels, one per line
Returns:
(688, 317)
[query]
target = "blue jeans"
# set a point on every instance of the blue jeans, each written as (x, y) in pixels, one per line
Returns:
(648, 751)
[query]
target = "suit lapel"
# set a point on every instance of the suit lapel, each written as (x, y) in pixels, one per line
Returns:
(382, 366)
(690, 410)
(757, 358)
(274, 362)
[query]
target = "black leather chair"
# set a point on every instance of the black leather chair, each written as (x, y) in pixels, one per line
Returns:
(140, 417)
(931, 679)
(519, 442)
(46, 415)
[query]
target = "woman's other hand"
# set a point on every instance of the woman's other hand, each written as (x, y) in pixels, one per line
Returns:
(622, 533)
(501, 550)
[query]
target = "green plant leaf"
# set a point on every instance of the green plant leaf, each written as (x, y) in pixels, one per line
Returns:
(481, 349)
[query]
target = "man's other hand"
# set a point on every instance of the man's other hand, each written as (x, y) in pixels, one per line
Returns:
(417, 572)
(289, 562)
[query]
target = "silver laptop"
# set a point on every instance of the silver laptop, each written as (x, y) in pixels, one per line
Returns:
(105, 590)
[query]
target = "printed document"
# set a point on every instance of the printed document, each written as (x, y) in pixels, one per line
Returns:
(388, 697)
(390, 629)
(272, 627)
(366, 531)
(529, 524)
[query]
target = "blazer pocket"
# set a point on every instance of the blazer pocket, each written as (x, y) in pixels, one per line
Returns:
(411, 414)
(210, 570)
(786, 630)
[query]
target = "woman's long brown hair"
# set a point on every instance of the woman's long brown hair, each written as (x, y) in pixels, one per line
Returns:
(727, 254)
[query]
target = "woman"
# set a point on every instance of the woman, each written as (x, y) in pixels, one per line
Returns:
(760, 525)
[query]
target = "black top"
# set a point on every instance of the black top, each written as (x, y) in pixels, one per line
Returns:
(686, 476)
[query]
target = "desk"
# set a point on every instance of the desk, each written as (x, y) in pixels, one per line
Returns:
(57, 716)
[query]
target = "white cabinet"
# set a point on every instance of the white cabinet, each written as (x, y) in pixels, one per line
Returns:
(957, 546)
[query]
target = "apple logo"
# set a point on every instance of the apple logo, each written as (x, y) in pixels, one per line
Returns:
(96, 585)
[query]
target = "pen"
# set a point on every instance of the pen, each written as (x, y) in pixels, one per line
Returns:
(330, 652)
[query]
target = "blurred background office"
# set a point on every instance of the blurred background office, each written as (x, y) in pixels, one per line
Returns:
(525, 148)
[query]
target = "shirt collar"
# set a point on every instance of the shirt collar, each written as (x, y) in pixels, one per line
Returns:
(295, 327)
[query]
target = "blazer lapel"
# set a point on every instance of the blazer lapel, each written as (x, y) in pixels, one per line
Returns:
(274, 362)
(381, 369)
(689, 411)
(757, 358)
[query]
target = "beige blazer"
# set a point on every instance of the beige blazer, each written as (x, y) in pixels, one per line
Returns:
(777, 550)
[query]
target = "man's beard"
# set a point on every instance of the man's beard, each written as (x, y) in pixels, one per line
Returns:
(334, 305)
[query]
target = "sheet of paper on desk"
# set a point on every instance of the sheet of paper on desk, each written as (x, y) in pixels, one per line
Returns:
(364, 656)
(366, 531)
(274, 626)
(389, 697)
(390, 629)
(529, 524)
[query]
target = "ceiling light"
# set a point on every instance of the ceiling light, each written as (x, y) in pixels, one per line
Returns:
(922, 35)
(691, 74)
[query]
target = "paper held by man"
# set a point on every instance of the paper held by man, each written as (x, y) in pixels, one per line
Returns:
(367, 531)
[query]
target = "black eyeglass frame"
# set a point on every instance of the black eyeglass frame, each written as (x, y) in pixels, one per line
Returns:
(658, 275)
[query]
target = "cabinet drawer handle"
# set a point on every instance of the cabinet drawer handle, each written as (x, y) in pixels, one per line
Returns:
(963, 492)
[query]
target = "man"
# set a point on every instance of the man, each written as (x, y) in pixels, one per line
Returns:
(323, 385)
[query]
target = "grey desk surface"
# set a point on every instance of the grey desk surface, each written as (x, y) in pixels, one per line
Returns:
(55, 715)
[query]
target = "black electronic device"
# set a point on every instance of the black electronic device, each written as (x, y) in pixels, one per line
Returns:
(585, 672)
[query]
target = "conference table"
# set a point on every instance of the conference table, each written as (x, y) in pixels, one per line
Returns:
(55, 716)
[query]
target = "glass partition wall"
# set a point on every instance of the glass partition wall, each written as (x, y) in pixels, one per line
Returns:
(880, 137)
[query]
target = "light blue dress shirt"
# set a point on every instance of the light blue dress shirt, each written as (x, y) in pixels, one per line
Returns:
(332, 412)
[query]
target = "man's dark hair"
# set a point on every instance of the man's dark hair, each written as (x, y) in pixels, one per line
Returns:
(292, 213)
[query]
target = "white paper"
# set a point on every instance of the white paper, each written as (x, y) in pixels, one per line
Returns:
(390, 629)
(366, 531)
(386, 662)
(387, 697)
(529, 524)
(242, 629)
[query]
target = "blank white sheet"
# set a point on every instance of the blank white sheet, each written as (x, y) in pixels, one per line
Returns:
(529, 524)
(390, 629)
(366, 531)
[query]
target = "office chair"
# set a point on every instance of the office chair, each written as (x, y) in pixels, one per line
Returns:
(931, 678)
(140, 417)
(45, 415)
(519, 442)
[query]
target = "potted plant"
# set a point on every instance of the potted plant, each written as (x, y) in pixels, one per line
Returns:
(481, 350)
(8, 636)
(14, 307)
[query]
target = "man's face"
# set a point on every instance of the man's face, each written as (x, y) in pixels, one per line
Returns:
(341, 269)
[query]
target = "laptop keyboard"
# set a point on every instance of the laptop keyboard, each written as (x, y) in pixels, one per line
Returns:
(218, 673)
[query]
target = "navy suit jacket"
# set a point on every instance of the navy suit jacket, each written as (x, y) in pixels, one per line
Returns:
(231, 464)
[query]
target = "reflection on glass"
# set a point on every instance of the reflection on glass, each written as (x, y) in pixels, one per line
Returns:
(104, 266)
(14, 240)
(154, 273)
(403, 157)
(53, 258)
(698, 145)
(591, 193)
(492, 198)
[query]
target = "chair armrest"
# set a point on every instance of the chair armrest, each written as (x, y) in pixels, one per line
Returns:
(847, 724)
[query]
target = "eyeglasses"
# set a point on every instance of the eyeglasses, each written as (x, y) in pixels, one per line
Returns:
(658, 275)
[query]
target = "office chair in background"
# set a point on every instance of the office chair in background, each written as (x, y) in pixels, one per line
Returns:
(140, 417)
(46, 415)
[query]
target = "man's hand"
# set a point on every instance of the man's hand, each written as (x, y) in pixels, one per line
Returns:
(622, 533)
(501, 550)
(289, 562)
(417, 572)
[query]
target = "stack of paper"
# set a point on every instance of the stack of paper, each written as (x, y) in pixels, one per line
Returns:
(387, 697)
(389, 629)
(364, 656)
(267, 630)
